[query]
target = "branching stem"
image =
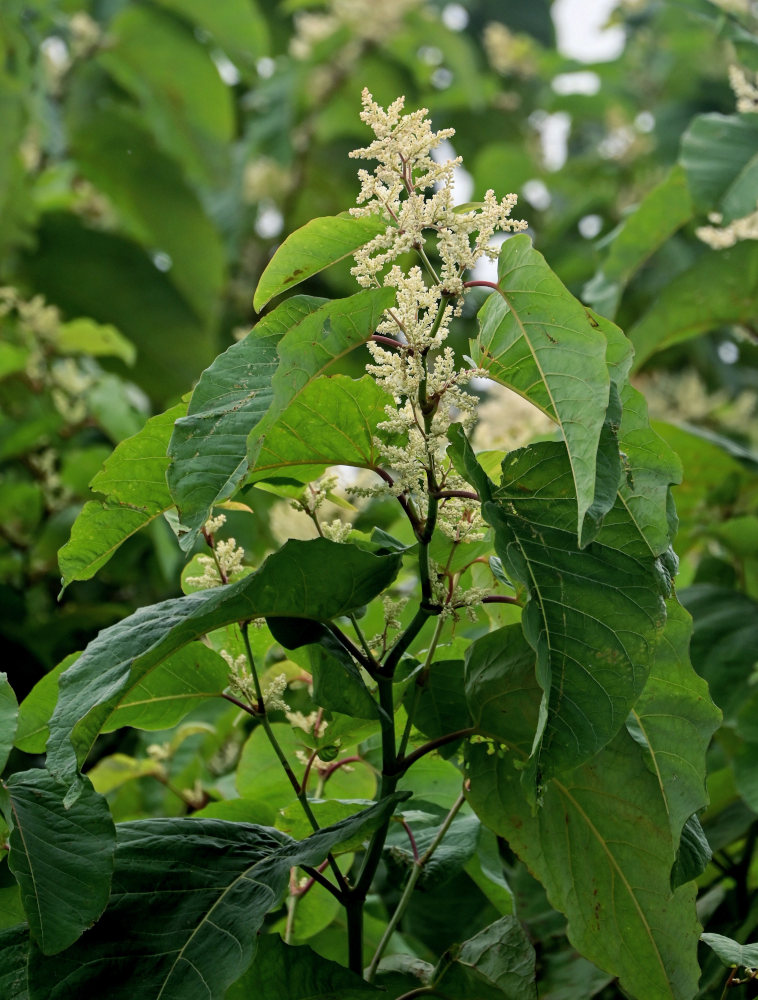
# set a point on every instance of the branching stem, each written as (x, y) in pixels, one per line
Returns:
(418, 867)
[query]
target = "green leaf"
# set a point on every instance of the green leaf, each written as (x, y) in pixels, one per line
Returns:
(8, 719)
(62, 857)
(312, 345)
(236, 25)
(439, 699)
(720, 155)
(485, 869)
(538, 340)
(125, 164)
(320, 243)
(290, 583)
(293, 821)
(85, 336)
(674, 719)
(190, 112)
(732, 953)
(14, 956)
(188, 899)
(333, 421)
(280, 971)
(594, 616)
(501, 688)
(650, 468)
(724, 642)
(337, 681)
(187, 678)
(601, 845)
(693, 856)
(114, 771)
(133, 483)
(208, 446)
(35, 710)
(719, 289)
(663, 210)
(498, 963)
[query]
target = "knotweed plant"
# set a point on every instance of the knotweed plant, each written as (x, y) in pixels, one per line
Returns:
(388, 712)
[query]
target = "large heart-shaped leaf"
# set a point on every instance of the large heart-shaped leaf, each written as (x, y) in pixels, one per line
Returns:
(290, 583)
(188, 898)
(62, 857)
(608, 869)
(594, 616)
(538, 340)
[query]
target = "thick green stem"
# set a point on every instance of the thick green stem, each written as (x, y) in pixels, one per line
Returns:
(418, 867)
(419, 686)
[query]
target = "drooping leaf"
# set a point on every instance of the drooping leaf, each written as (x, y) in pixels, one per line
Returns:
(290, 583)
(674, 719)
(62, 857)
(208, 447)
(280, 971)
(732, 953)
(133, 484)
(658, 216)
(693, 855)
(719, 289)
(337, 681)
(333, 421)
(8, 719)
(609, 868)
(116, 770)
(188, 899)
(320, 243)
(14, 955)
(720, 156)
(594, 616)
(450, 857)
(498, 963)
(538, 340)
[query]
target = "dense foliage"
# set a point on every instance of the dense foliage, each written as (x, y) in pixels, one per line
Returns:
(434, 714)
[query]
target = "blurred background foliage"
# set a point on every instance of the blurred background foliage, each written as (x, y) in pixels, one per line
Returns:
(153, 154)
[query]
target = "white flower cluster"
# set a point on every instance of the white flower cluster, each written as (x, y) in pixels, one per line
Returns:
(414, 194)
(227, 558)
(365, 20)
(745, 87)
(719, 237)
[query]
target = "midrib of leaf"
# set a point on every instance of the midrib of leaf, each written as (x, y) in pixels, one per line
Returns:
(243, 876)
(617, 870)
(555, 415)
(28, 856)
